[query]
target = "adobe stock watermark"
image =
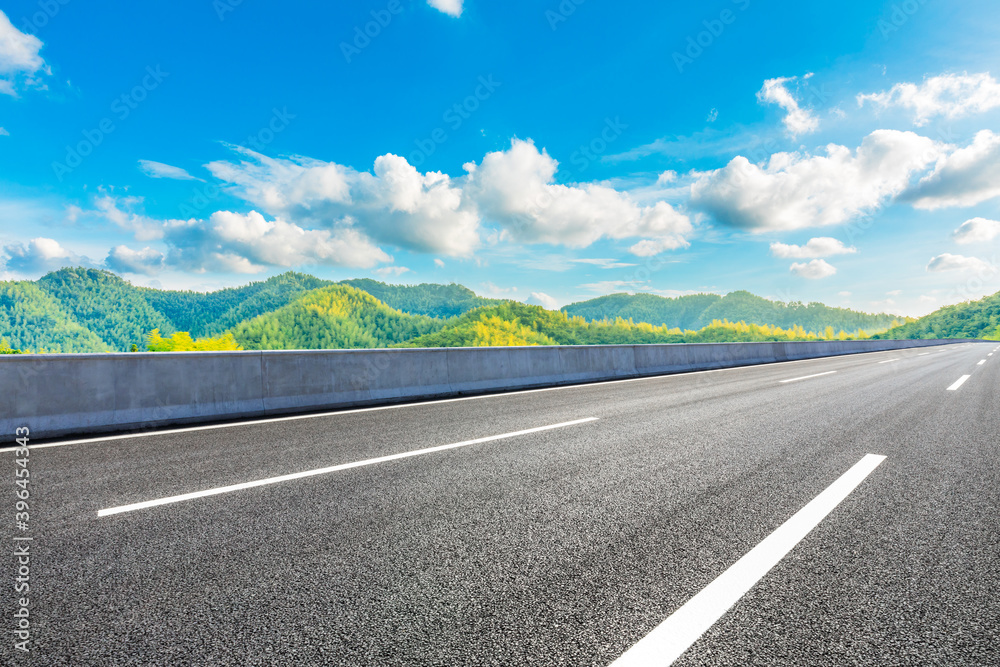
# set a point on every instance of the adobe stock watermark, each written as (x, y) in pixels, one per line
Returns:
(898, 16)
(698, 43)
(223, 7)
(22, 542)
(121, 108)
(583, 156)
(204, 196)
(454, 117)
(47, 10)
(562, 12)
(363, 35)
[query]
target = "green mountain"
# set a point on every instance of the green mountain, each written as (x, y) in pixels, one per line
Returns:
(211, 313)
(113, 309)
(86, 310)
(335, 317)
(30, 319)
(972, 319)
(424, 299)
(699, 310)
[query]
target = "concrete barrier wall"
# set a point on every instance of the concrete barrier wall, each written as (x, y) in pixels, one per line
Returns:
(72, 394)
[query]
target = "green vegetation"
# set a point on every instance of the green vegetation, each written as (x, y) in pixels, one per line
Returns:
(520, 324)
(85, 310)
(105, 304)
(5, 347)
(211, 313)
(699, 310)
(181, 341)
(442, 301)
(32, 320)
(972, 319)
(335, 317)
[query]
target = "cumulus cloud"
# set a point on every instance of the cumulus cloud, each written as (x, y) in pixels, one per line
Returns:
(123, 259)
(823, 246)
(395, 204)
(796, 191)
(515, 188)
(449, 7)
(542, 299)
(976, 230)
(20, 62)
(39, 255)
(950, 262)
(251, 243)
(161, 170)
(947, 95)
(814, 270)
(240, 243)
(798, 121)
(393, 271)
(966, 177)
(439, 263)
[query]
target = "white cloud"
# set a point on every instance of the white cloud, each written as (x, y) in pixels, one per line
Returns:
(667, 177)
(614, 286)
(160, 170)
(4, 132)
(238, 243)
(119, 211)
(250, 243)
(844, 294)
(439, 263)
(20, 62)
(948, 95)
(496, 291)
(798, 121)
(391, 271)
(713, 115)
(542, 299)
(814, 270)
(823, 246)
(603, 263)
(796, 191)
(950, 262)
(39, 255)
(516, 189)
(449, 7)
(976, 230)
(966, 177)
(123, 259)
(396, 204)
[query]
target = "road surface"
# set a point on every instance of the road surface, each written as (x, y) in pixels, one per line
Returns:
(547, 527)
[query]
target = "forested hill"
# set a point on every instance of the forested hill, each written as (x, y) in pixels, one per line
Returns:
(699, 310)
(335, 317)
(87, 310)
(972, 319)
(424, 299)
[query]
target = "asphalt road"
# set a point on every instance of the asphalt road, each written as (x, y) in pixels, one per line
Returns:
(564, 546)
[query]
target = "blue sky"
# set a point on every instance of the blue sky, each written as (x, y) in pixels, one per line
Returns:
(549, 151)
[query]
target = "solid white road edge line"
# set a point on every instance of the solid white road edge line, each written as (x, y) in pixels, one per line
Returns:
(675, 635)
(322, 471)
(959, 383)
(807, 377)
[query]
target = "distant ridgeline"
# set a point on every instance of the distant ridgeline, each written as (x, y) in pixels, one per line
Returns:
(971, 319)
(87, 310)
